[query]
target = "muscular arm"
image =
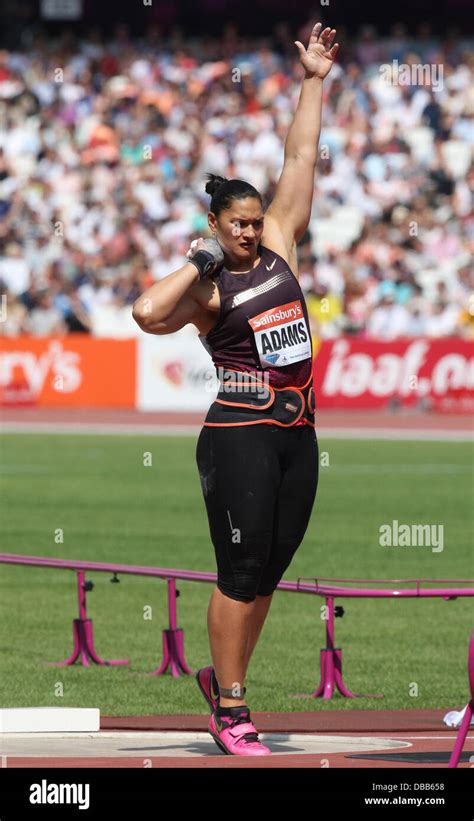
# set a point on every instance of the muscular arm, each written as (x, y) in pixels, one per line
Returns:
(287, 218)
(177, 300)
(168, 304)
(291, 206)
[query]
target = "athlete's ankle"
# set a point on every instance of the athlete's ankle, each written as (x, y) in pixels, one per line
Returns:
(229, 705)
(231, 711)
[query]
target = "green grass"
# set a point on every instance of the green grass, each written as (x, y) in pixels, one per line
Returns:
(112, 508)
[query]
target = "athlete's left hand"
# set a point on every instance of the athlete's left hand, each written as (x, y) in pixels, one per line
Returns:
(318, 58)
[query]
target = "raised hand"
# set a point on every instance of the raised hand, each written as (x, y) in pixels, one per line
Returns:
(208, 262)
(318, 58)
(196, 245)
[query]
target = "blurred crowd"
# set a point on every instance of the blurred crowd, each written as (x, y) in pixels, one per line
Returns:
(105, 142)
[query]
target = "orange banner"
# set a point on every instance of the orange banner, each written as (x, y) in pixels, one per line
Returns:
(73, 370)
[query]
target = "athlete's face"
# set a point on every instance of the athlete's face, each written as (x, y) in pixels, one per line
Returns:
(239, 228)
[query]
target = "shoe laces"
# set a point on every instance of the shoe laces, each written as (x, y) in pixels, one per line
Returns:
(244, 718)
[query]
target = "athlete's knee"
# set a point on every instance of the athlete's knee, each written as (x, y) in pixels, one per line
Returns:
(287, 547)
(233, 592)
(271, 578)
(243, 582)
(265, 592)
(278, 564)
(242, 587)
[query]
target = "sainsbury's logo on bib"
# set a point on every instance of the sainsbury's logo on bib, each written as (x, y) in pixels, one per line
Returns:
(281, 335)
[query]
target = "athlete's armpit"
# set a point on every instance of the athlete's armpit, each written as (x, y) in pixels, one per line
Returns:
(291, 205)
(285, 245)
(206, 295)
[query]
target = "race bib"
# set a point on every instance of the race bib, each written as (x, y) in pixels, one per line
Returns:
(281, 335)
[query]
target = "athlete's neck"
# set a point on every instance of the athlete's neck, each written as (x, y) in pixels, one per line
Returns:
(247, 270)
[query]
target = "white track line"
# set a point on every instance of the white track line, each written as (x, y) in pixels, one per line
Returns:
(125, 429)
(436, 435)
(102, 428)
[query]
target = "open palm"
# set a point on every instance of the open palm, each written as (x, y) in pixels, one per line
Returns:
(318, 58)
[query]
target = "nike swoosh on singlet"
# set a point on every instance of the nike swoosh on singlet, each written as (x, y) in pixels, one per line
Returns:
(251, 293)
(269, 267)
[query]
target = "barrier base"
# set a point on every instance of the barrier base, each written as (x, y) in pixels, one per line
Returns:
(83, 639)
(331, 677)
(173, 655)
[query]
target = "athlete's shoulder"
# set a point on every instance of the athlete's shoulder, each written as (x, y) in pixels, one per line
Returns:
(272, 259)
(267, 254)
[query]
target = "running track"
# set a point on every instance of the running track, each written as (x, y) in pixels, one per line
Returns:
(430, 740)
(357, 424)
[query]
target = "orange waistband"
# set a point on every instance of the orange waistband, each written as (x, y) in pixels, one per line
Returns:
(266, 404)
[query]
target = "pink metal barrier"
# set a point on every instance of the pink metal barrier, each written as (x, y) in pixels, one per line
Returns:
(462, 732)
(173, 637)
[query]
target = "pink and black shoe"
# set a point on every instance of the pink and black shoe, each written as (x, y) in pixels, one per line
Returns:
(207, 682)
(235, 734)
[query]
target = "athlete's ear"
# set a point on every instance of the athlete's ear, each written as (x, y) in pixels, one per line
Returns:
(212, 221)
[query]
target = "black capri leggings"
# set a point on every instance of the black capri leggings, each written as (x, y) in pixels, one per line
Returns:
(259, 484)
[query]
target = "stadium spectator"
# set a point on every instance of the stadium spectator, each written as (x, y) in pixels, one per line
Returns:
(14, 314)
(102, 165)
(45, 319)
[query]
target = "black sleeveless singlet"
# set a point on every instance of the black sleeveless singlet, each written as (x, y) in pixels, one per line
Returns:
(263, 323)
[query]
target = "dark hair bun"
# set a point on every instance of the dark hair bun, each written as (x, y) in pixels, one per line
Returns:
(213, 183)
